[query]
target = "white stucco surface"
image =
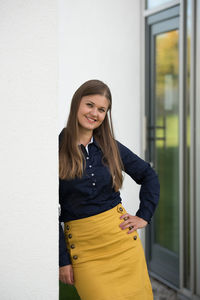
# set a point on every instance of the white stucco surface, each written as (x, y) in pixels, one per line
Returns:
(28, 150)
(94, 39)
(101, 40)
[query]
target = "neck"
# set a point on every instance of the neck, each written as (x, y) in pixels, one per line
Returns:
(84, 136)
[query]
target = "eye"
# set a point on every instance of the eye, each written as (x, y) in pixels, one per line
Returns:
(102, 110)
(89, 104)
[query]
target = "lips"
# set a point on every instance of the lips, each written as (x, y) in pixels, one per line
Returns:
(90, 120)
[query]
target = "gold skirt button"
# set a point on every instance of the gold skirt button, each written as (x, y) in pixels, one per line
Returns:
(120, 209)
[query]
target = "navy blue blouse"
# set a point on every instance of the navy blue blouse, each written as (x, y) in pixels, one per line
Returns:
(93, 193)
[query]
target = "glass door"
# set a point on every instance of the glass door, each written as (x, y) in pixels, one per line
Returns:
(163, 145)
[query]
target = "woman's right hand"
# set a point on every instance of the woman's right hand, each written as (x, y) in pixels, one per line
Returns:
(66, 274)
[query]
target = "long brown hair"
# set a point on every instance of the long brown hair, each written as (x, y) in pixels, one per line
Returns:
(71, 159)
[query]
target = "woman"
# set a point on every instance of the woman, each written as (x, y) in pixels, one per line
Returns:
(100, 251)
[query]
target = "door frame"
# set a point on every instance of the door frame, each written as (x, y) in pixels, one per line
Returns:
(195, 139)
(159, 23)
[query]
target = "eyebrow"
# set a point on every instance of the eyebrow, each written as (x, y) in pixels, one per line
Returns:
(94, 103)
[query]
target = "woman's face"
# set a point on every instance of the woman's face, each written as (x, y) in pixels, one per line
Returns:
(92, 111)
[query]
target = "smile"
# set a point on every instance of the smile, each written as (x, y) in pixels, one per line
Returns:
(90, 120)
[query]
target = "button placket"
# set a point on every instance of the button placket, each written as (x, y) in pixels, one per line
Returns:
(94, 182)
(122, 211)
(93, 179)
(71, 244)
(74, 256)
(91, 172)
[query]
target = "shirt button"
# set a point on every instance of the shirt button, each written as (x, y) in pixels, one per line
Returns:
(90, 166)
(87, 157)
(92, 174)
(135, 237)
(75, 256)
(94, 183)
(72, 246)
(67, 227)
(69, 236)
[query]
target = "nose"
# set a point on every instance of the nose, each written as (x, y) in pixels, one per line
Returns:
(94, 111)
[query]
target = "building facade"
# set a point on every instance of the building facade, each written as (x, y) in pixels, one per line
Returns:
(148, 54)
(170, 65)
(158, 118)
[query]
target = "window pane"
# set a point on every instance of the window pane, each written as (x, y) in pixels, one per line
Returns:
(167, 139)
(154, 3)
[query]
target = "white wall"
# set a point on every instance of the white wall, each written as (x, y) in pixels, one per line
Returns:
(28, 159)
(97, 39)
(101, 40)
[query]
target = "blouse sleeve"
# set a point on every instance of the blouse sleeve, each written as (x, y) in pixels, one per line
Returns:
(64, 257)
(142, 173)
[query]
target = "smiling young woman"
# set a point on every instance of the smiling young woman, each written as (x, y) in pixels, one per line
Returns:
(100, 251)
(93, 110)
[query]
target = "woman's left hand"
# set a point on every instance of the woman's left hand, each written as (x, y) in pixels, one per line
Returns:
(134, 221)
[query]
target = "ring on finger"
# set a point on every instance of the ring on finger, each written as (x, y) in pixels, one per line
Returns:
(131, 227)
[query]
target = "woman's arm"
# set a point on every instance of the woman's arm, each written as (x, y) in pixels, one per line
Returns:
(65, 267)
(142, 173)
(64, 257)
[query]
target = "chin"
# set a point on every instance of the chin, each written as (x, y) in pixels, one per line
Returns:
(94, 125)
(88, 127)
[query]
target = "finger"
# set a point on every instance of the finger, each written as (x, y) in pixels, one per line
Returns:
(128, 226)
(72, 276)
(125, 215)
(125, 224)
(132, 229)
(127, 221)
(69, 282)
(63, 280)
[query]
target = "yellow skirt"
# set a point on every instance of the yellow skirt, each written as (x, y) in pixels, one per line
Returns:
(108, 263)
